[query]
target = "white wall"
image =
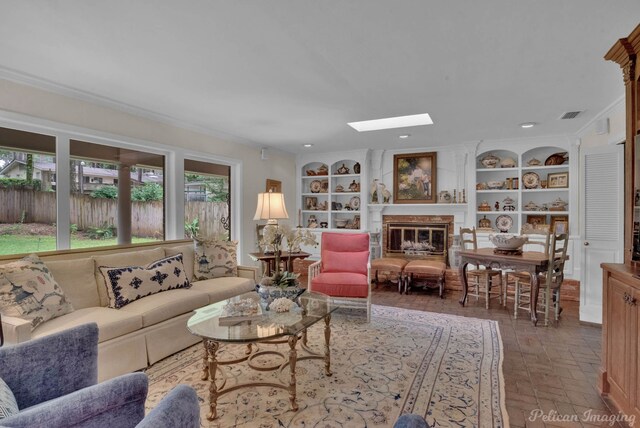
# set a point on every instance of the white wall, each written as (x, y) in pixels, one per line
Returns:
(91, 116)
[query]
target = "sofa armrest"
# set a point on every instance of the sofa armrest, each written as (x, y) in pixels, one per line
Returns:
(48, 367)
(16, 330)
(117, 402)
(248, 272)
(314, 270)
(179, 408)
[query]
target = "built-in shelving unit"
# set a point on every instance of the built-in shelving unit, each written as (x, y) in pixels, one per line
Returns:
(331, 194)
(537, 192)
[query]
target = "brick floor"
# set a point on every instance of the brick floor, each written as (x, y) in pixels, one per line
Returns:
(548, 368)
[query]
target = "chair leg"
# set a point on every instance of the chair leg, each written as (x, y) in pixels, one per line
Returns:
(516, 298)
(486, 291)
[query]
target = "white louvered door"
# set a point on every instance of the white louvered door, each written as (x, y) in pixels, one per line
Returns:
(601, 219)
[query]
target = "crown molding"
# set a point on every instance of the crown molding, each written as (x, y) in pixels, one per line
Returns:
(70, 92)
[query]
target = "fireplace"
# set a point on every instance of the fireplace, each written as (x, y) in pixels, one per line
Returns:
(417, 236)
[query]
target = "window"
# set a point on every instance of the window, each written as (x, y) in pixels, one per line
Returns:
(99, 214)
(207, 201)
(27, 192)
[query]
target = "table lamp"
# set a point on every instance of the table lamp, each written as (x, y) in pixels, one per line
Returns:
(271, 207)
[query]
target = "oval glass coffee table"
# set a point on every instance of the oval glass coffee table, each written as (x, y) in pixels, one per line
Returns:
(244, 320)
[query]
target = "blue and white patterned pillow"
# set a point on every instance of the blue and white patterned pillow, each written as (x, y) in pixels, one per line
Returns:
(8, 403)
(130, 283)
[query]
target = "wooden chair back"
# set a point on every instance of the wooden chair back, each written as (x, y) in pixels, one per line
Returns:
(468, 238)
(538, 239)
(557, 257)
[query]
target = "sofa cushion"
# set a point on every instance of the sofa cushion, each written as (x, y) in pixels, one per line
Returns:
(77, 280)
(8, 403)
(112, 323)
(187, 257)
(341, 284)
(131, 258)
(214, 259)
(29, 291)
(130, 283)
(168, 304)
(223, 288)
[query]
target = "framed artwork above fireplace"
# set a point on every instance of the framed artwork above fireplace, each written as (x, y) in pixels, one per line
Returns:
(415, 178)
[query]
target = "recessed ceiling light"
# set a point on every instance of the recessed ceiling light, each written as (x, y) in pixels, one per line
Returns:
(403, 136)
(528, 125)
(307, 145)
(392, 122)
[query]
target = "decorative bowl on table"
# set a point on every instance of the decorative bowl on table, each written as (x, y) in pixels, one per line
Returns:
(508, 242)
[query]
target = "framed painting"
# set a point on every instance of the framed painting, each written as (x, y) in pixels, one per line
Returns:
(415, 178)
(274, 186)
(537, 220)
(559, 224)
(558, 180)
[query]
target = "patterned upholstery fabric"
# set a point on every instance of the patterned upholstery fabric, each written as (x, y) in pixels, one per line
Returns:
(28, 291)
(214, 259)
(8, 404)
(130, 283)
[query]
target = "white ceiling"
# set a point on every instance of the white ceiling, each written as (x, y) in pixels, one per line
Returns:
(280, 73)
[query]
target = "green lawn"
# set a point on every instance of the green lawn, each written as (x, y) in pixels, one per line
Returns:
(17, 244)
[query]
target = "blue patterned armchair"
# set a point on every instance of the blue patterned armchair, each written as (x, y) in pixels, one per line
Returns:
(54, 381)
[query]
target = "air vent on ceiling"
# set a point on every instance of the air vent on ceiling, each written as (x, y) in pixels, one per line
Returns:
(570, 115)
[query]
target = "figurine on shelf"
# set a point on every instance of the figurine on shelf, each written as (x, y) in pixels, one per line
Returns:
(312, 223)
(356, 168)
(354, 187)
(484, 223)
(484, 206)
(379, 193)
(343, 170)
(322, 170)
(497, 206)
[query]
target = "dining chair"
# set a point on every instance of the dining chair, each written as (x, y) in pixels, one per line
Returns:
(481, 281)
(538, 241)
(343, 271)
(549, 281)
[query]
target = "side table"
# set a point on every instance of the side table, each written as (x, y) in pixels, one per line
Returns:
(269, 260)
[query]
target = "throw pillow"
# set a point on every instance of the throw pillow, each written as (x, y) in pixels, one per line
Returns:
(130, 283)
(28, 291)
(8, 403)
(214, 259)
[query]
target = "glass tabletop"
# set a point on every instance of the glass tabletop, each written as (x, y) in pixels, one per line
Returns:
(245, 319)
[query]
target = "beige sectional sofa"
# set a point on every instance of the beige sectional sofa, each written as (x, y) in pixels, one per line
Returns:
(142, 332)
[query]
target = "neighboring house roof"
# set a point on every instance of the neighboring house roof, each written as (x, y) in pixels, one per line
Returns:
(87, 171)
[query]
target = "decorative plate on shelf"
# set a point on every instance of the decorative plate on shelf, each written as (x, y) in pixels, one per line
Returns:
(354, 203)
(504, 223)
(531, 180)
(315, 186)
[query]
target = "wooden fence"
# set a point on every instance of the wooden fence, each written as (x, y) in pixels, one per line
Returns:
(147, 218)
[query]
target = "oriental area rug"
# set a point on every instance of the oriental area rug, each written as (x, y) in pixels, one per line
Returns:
(445, 368)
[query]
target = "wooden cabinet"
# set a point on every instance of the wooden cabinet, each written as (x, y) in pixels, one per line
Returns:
(620, 370)
(619, 374)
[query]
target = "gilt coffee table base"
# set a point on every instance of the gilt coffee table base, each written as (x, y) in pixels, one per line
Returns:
(211, 364)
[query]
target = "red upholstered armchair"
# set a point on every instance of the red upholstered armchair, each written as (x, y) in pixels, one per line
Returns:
(343, 269)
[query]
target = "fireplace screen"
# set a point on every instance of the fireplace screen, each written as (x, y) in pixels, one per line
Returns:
(417, 239)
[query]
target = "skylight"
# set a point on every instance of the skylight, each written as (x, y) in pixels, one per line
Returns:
(392, 122)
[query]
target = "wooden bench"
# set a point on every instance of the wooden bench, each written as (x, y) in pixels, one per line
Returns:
(432, 272)
(391, 265)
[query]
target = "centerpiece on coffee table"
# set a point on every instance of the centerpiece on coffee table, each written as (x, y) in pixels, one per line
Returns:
(283, 283)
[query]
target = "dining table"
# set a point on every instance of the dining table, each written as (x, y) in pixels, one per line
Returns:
(533, 262)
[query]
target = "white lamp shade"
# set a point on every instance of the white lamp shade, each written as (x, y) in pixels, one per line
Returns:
(270, 206)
